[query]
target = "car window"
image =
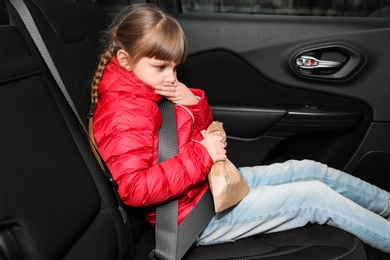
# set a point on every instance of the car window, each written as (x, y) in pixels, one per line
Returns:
(352, 8)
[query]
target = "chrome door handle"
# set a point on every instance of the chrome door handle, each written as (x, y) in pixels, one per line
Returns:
(308, 62)
(329, 62)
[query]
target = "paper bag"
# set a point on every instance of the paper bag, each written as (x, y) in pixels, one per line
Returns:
(226, 183)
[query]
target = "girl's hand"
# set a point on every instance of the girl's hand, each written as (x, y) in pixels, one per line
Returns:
(215, 146)
(177, 92)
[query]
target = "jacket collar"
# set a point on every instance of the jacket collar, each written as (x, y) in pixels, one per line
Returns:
(117, 79)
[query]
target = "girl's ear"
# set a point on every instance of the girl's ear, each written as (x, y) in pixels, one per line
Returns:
(124, 59)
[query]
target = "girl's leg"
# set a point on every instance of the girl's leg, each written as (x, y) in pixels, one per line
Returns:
(269, 209)
(357, 190)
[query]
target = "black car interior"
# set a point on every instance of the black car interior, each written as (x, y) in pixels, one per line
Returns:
(55, 202)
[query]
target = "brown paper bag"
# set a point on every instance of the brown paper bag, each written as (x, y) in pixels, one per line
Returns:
(226, 183)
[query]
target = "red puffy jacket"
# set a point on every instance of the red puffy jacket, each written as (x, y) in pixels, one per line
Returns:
(126, 125)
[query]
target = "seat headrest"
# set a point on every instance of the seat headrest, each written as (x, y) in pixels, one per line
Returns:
(65, 19)
(3, 13)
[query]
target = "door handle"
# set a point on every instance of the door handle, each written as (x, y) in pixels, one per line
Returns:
(329, 62)
(309, 62)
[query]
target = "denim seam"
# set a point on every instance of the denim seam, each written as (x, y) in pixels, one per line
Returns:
(239, 221)
(325, 181)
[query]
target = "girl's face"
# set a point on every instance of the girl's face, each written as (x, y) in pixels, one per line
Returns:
(155, 72)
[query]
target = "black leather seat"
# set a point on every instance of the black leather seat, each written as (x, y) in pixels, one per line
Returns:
(55, 202)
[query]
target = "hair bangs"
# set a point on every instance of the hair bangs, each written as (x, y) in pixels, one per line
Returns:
(166, 43)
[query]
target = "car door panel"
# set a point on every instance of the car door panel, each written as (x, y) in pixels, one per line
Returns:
(269, 44)
(248, 64)
(252, 122)
(269, 127)
(229, 80)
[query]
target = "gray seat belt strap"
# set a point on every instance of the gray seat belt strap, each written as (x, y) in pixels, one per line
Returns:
(166, 214)
(173, 241)
(195, 222)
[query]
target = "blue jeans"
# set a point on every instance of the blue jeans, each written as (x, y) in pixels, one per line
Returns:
(291, 194)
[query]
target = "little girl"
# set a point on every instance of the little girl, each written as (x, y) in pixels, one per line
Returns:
(138, 69)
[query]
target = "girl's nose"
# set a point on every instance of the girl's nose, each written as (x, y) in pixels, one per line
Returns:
(170, 76)
(167, 82)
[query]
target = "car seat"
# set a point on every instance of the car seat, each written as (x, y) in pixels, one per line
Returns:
(54, 201)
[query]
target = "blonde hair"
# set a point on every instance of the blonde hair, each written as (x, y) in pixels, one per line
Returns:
(142, 31)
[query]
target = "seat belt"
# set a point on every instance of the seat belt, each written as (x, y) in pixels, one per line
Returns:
(173, 241)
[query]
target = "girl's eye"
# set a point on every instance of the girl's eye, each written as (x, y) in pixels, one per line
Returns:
(161, 67)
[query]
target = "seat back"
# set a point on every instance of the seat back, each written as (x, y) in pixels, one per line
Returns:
(72, 31)
(55, 202)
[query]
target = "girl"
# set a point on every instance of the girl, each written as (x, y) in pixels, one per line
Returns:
(138, 69)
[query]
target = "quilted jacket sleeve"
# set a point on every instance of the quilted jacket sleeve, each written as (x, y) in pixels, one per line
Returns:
(201, 111)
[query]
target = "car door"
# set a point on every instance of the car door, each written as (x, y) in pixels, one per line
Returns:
(289, 84)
